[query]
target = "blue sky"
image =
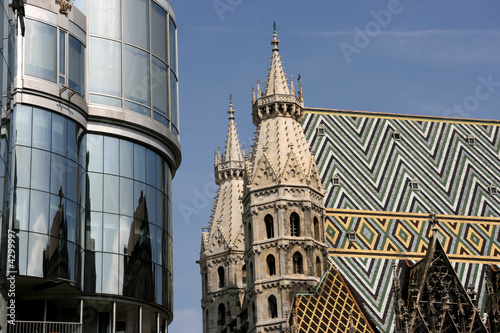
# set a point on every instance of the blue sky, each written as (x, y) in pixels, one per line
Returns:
(439, 58)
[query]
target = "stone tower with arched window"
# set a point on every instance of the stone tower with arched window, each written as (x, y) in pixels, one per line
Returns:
(283, 212)
(222, 263)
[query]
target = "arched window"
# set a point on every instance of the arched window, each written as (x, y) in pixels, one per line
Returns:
(294, 225)
(273, 307)
(206, 319)
(271, 265)
(254, 313)
(250, 236)
(269, 226)
(319, 270)
(220, 270)
(316, 229)
(221, 317)
(205, 283)
(250, 277)
(297, 263)
(244, 275)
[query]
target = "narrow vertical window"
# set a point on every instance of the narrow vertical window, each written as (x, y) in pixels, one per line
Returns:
(273, 306)
(220, 271)
(319, 269)
(317, 234)
(244, 275)
(271, 265)
(294, 225)
(297, 263)
(62, 57)
(269, 226)
(221, 317)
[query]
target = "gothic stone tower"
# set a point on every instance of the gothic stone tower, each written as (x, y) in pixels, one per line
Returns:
(222, 262)
(285, 248)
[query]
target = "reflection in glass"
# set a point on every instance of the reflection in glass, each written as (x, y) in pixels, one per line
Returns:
(76, 68)
(23, 164)
(22, 123)
(173, 105)
(22, 255)
(173, 45)
(110, 273)
(36, 254)
(39, 212)
(159, 31)
(110, 233)
(136, 73)
(139, 163)
(160, 91)
(41, 128)
(126, 156)
(151, 197)
(71, 213)
(105, 72)
(21, 209)
(95, 146)
(62, 57)
(136, 23)
(40, 170)
(127, 235)
(93, 271)
(111, 151)
(105, 18)
(72, 171)
(59, 127)
(151, 167)
(58, 174)
(94, 232)
(126, 196)
(40, 50)
(95, 189)
(111, 194)
(140, 207)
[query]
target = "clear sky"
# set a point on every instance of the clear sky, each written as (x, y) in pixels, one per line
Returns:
(439, 58)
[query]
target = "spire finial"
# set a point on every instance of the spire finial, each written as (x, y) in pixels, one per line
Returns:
(275, 40)
(231, 110)
(434, 222)
(274, 26)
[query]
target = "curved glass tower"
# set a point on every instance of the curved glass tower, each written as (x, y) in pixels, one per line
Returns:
(89, 146)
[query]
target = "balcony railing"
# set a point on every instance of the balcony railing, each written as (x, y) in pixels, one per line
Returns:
(43, 327)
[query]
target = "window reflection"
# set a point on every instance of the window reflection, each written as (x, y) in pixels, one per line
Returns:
(126, 155)
(106, 18)
(136, 74)
(59, 134)
(39, 212)
(40, 36)
(159, 31)
(41, 128)
(40, 170)
(22, 123)
(36, 254)
(111, 194)
(22, 161)
(126, 196)
(105, 72)
(111, 151)
(136, 23)
(110, 233)
(76, 68)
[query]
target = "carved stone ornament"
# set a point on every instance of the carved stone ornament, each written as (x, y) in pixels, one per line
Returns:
(65, 5)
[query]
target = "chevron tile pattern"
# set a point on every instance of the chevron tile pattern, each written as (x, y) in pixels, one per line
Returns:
(408, 166)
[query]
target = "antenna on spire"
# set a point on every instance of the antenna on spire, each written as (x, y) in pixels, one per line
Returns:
(231, 110)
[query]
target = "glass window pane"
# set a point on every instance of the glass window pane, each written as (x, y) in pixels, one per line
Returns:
(111, 151)
(72, 140)
(36, 258)
(56, 215)
(139, 163)
(111, 193)
(151, 197)
(93, 272)
(76, 66)
(72, 180)
(21, 209)
(126, 159)
(111, 101)
(110, 273)
(40, 170)
(126, 196)
(62, 54)
(58, 177)
(59, 128)
(173, 90)
(23, 165)
(139, 200)
(127, 238)
(95, 189)
(39, 212)
(94, 237)
(105, 18)
(40, 49)
(41, 128)
(160, 91)
(110, 233)
(22, 254)
(22, 125)
(146, 111)
(95, 148)
(173, 45)
(136, 23)
(151, 167)
(105, 72)
(71, 221)
(159, 31)
(136, 74)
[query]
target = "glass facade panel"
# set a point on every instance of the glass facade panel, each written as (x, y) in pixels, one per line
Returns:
(110, 273)
(139, 163)
(126, 156)
(40, 170)
(76, 68)
(111, 194)
(59, 134)
(72, 180)
(58, 175)
(21, 209)
(126, 196)
(105, 72)
(62, 57)
(42, 64)
(159, 31)
(136, 23)
(36, 258)
(172, 45)
(95, 190)
(23, 166)
(95, 146)
(173, 104)
(41, 128)
(160, 90)
(112, 154)
(22, 125)
(106, 18)
(39, 212)
(137, 74)
(110, 233)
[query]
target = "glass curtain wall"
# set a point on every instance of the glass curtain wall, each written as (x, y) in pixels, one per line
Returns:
(141, 52)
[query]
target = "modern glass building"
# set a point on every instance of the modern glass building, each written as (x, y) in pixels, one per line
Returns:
(89, 146)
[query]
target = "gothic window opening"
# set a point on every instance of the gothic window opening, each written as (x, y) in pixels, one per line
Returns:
(352, 236)
(220, 271)
(336, 180)
(414, 185)
(471, 140)
(294, 225)
(205, 283)
(273, 306)
(244, 275)
(493, 189)
(297, 263)
(317, 235)
(254, 313)
(321, 130)
(318, 267)
(271, 265)
(396, 135)
(221, 317)
(269, 226)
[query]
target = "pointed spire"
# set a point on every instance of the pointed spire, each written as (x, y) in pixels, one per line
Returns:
(253, 94)
(292, 88)
(276, 79)
(233, 151)
(258, 88)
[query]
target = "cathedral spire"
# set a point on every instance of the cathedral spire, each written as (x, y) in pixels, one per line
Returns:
(276, 78)
(232, 151)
